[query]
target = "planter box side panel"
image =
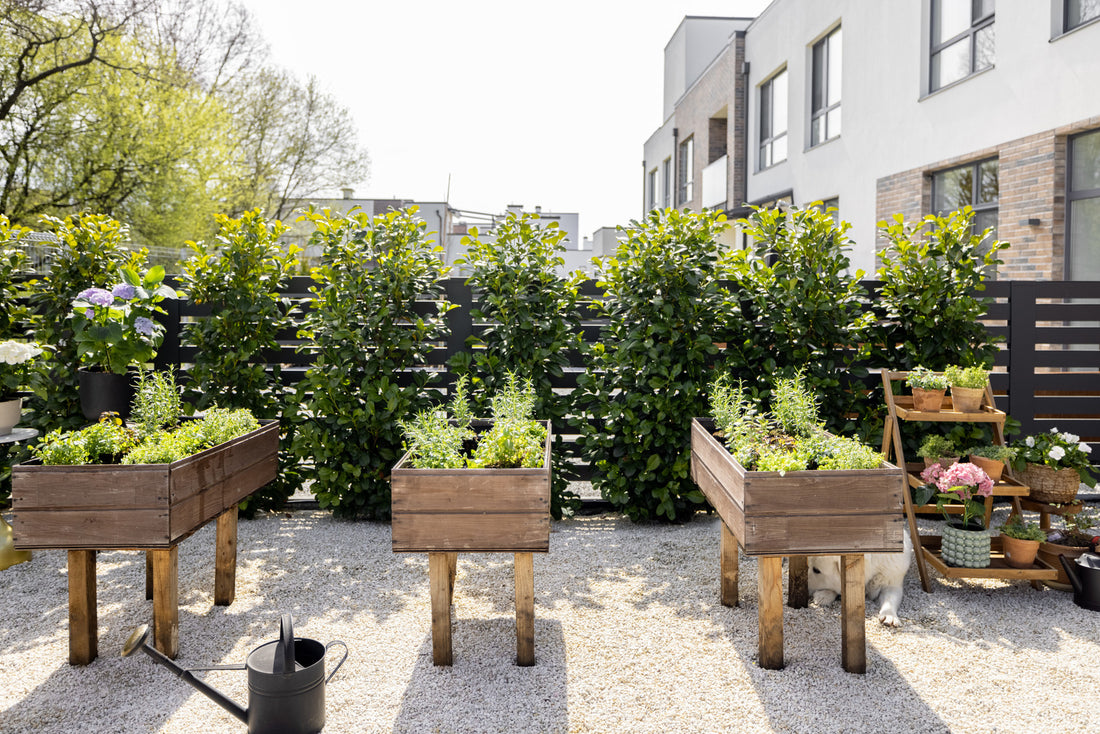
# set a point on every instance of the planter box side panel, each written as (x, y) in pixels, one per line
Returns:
(817, 534)
(471, 532)
(718, 496)
(470, 490)
(717, 459)
(100, 529)
(213, 466)
(93, 486)
(857, 492)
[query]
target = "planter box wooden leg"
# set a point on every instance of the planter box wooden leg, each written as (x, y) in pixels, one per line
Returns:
(83, 644)
(166, 628)
(729, 567)
(525, 609)
(441, 588)
(148, 577)
(798, 582)
(771, 612)
(225, 563)
(853, 641)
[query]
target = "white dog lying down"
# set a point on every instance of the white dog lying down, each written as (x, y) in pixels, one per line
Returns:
(884, 573)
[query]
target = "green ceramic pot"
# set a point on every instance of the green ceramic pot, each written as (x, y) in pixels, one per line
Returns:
(965, 547)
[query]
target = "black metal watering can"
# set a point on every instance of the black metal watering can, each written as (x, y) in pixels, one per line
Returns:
(1085, 579)
(286, 681)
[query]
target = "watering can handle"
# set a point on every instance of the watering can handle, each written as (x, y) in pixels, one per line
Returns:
(345, 657)
(286, 642)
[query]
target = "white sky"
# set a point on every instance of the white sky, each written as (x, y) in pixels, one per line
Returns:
(520, 103)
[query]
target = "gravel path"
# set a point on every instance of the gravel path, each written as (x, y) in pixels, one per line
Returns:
(629, 637)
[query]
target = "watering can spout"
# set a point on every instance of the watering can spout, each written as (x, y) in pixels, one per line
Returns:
(139, 641)
(1071, 572)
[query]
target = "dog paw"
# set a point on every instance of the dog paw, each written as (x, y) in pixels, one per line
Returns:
(824, 597)
(889, 619)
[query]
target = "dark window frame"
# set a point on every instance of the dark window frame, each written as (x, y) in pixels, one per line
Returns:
(977, 24)
(685, 187)
(1072, 196)
(825, 108)
(666, 182)
(651, 181)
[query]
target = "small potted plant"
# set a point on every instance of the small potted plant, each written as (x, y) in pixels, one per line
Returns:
(967, 386)
(937, 450)
(928, 389)
(1076, 536)
(965, 544)
(1053, 465)
(15, 358)
(114, 332)
(1020, 542)
(992, 459)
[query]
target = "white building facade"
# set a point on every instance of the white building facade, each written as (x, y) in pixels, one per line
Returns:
(901, 107)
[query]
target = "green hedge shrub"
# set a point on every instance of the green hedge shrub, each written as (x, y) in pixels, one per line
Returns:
(648, 376)
(367, 333)
(238, 274)
(533, 323)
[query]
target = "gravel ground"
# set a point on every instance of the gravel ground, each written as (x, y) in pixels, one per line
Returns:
(629, 637)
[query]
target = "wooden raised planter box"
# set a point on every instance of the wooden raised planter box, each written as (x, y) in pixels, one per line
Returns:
(149, 507)
(442, 512)
(796, 514)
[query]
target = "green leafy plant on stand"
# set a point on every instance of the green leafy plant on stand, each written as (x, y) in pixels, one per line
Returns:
(923, 378)
(1016, 528)
(973, 377)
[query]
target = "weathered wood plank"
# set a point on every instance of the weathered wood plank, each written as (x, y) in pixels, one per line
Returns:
(853, 643)
(225, 558)
(822, 534)
(729, 567)
(770, 583)
(89, 487)
(214, 465)
(525, 609)
(798, 588)
(83, 632)
(166, 628)
(717, 459)
(104, 529)
(720, 499)
(486, 532)
(822, 492)
(441, 590)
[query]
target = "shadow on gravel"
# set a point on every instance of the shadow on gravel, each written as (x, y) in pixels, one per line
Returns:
(485, 690)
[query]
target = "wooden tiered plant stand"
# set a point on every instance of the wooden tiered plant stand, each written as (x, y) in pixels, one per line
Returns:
(150, 507)
(795, 515)
(444, 512)
(927, 547)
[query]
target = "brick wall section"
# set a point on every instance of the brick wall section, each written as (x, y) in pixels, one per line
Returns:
(736, 179)
(1032, 186)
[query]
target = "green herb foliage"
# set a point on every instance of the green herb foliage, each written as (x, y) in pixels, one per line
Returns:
(1016, 528)
(923, 378)
(969, 377)
(667, 309)
(533, 324)
(157, 402)
(238, 274)
(936, 447)
(217, 426)
(368, 333)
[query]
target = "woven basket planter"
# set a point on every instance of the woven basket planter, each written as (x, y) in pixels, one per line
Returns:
(1053, 486)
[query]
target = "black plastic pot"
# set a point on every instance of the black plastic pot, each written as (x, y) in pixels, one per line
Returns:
(104, 392)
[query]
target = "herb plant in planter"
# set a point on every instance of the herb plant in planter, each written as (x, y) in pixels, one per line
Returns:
(938, 450)
(1020, 542)
(967, 387)
(992, 458)
(481, 486)
(928, 388)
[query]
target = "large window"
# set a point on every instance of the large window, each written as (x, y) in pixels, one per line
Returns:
(773, 120)
(975, 185)
(962, 40)
(685, 191)
(825, 91)
(1083, 203)
(666, 183)
(1079, 12)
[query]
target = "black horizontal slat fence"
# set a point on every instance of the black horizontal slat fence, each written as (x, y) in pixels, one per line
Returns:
(1046, 374)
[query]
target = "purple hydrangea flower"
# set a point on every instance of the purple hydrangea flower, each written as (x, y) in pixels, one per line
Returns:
(143, 326)
(89, 313)
(98, 296)
(124, 291)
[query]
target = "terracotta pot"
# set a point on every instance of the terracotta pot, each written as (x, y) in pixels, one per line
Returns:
(1049, 552)
(943, 461)
(1019, 553)
(992, 467)
(967, 399)
(928, 401)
